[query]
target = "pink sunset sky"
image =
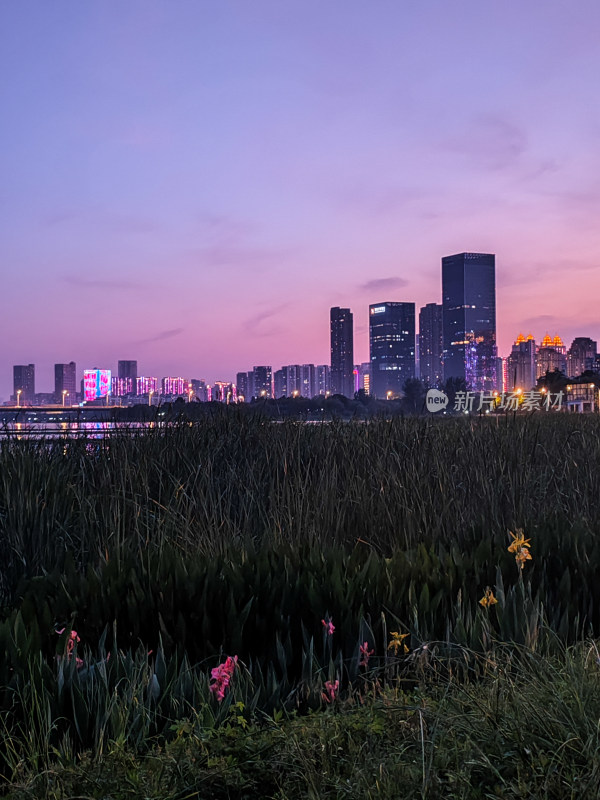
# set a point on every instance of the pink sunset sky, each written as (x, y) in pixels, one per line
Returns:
(193, 184)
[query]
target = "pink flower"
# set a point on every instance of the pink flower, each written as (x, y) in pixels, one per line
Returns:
(221, 677)
(329, 627)
(73, 638)
(331, 689)
(365, 654)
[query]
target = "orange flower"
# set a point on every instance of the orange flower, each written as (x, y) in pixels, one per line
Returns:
(522, 555)
(488, 598)
(396, 642)
(518, 541)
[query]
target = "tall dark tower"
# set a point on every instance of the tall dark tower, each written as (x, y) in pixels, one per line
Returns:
(469, 319)
(392, 347)
(430, 344)
(342, 351)
(128, 369)
(65, 381)
(24, 382)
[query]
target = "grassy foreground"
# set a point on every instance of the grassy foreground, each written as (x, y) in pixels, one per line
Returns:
(528, 729)
(240, 608)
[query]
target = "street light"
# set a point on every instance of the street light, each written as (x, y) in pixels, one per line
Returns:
(150, 393)
(190, 393)
(19, 392)
(65, 394)
(389, 395)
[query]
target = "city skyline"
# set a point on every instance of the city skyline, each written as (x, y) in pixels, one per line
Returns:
(457, 339)
(527, 357)
(194, 186)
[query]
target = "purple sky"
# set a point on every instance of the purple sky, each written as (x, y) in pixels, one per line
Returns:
(193, 184)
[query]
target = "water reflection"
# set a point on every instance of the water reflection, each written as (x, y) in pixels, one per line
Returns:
(73, 429)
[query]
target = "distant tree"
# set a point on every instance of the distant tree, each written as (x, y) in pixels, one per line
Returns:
(554, 381)
(453, 385)
(413, 401)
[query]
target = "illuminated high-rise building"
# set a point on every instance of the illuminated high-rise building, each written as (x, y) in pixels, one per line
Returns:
(342, 351)
(145, 385)
(24, 382)
(174, 386)
(262, 383)
(521, 364)
(122, 387)
(65, 381)
(97, 384)
(469, 319)
(243, 389)
(392, 347)
(293, 380)
(287, 381)
(430, 344)
(280, 383)
(364, 376)
(581, 356)
(323, 379)
(308, 381)
(199, 389)
(551, 356)
(223, 392)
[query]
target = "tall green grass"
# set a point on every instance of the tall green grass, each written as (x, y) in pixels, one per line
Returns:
(392, 484)
(237, 535)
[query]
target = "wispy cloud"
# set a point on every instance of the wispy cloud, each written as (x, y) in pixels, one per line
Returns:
(255, 325)
(101, 283)
(491, 141)
(229, 242)
(383, 284)
(376, 199)
(162, 335)
(225, 254)
(542, 321)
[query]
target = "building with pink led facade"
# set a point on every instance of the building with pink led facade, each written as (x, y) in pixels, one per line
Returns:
(174, 386)
(144, 385)
(96, 384)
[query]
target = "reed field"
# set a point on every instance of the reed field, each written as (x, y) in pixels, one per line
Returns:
(245, 608)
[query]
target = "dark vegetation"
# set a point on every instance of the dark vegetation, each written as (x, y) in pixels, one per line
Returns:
(172, 547)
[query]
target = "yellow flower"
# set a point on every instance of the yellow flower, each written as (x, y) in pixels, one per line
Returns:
(396, 642)
(522, 555)
(488, 598)
(518, 541)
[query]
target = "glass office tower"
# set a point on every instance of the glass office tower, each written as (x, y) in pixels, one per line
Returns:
(342, 351)
(392, 347)
(430, 344)
(469, 319)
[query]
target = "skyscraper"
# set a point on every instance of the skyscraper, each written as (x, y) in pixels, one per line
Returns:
(391, 347)
(551, 355)
(342, 351)
(469, 319)
(241, 382)
(308, 383)
(323, 379)
(430, 344)
(128, 369)
(280, 383)
(24, 382)
(581, 356)
(65, 381)
(521, 366)
(262, 384)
